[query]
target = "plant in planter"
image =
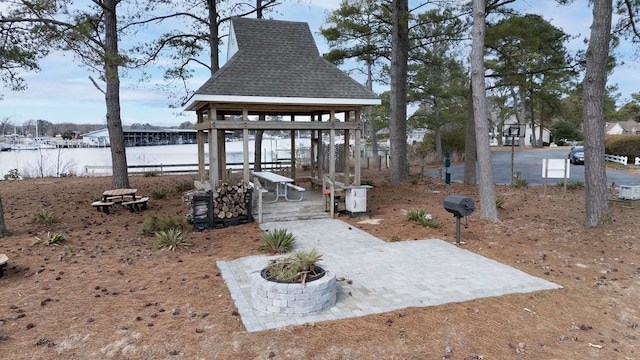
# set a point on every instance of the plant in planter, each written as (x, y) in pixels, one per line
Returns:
(275, 289)
(300, 267)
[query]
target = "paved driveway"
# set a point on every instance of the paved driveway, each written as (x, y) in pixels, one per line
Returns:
(529, 164)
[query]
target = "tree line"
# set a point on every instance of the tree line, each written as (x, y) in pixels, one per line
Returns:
(458, 62)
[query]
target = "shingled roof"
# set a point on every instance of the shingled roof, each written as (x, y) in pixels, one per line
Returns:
(276, 61)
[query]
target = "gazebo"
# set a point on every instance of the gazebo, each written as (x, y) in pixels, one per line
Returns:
(273, 68)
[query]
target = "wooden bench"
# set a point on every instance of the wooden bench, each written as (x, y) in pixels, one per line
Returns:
(103, 206)
(3, 263)
(137, 204)
(297, 188)
(118, 199)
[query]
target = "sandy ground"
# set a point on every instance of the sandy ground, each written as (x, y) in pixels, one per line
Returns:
(108, 293)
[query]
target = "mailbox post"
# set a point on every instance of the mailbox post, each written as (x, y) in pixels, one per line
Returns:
(460, 207)
(447, 164)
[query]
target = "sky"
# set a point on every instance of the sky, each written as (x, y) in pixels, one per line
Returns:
(62, 91)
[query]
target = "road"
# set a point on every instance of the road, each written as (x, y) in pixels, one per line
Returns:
(529, 164)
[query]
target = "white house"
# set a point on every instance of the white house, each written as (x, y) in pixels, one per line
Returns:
(510, 127)
(623, 127)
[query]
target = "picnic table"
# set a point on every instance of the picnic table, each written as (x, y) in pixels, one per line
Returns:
(124, 197)
(279, 185)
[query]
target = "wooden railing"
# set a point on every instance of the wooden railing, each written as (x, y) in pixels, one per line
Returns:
(164, 169)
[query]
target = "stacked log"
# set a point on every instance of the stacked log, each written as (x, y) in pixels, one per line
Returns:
(231, 200)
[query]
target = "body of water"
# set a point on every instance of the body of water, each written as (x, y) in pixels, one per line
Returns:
(50, 162)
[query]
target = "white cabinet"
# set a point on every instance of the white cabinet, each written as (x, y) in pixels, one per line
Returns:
(629, 192)
(356, 198)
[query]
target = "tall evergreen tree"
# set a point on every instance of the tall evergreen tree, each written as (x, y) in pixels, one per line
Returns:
(398, 117)
(488, 210)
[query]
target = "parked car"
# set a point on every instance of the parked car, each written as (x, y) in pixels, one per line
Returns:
(576, 155)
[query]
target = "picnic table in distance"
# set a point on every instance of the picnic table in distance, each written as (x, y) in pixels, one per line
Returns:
(124, 197)
(279, 185)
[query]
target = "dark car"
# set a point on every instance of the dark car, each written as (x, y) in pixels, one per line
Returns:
(576, 155)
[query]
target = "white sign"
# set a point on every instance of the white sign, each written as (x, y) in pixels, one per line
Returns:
(555, 168)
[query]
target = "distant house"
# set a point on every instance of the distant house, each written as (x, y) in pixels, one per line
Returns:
(623, 127)
(528, 134)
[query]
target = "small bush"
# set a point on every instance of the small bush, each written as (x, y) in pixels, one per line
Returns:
(159, 194)
(54, 239)
(415, 214)
(571, 184)
(414, 179)
(277, 241)
(171, 239)
(183, 186)
(153, 224)
(44, 217)
(12, 174)
(395, 238)
(422, 218)
(150, 173)
(367, 182)
(500, 202)
(520, 183)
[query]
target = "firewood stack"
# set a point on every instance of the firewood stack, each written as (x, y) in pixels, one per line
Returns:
(211, 209)
(231, 200)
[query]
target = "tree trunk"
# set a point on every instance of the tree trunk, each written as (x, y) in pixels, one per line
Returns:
(470, 154)
(399, 168)
(597, 207)
(437, 129)
(214, 57)
(371, 121)
(488, 209)
(112, 97)
(3, 228)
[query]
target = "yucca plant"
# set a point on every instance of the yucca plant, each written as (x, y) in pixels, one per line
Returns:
(277, 241)
(183, 186)
(159, 194)
(171, 239)
(500, 202)
(298, 267)
(416, 214)
(44, 217)
(54, 239)
(520, 183)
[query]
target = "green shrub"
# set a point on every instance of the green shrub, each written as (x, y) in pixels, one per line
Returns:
(571, 184)
(153, 224)
(623, 145)
(415, 214)
(183, 186)
(159, 194)
(367, 182)
(414, 179)
(151, 173)
(520, 183)
(277, 241)
(421, 217)
(54, 239)
(395, 238)
(296, 268)
(44, 217)
(428, 221)
(171, 239)
(12, 174)
(500, 202)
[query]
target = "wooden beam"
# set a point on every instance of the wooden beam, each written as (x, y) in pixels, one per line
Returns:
(278, 125)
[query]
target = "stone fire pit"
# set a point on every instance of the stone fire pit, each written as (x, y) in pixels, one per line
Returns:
(292, 298)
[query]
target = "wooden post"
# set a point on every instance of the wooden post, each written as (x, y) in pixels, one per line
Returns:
(245, 147)
(332, 144)
(200, 139)
(214, 166)
(356, 149)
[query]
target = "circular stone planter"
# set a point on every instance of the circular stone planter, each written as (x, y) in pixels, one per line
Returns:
(292, 298)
